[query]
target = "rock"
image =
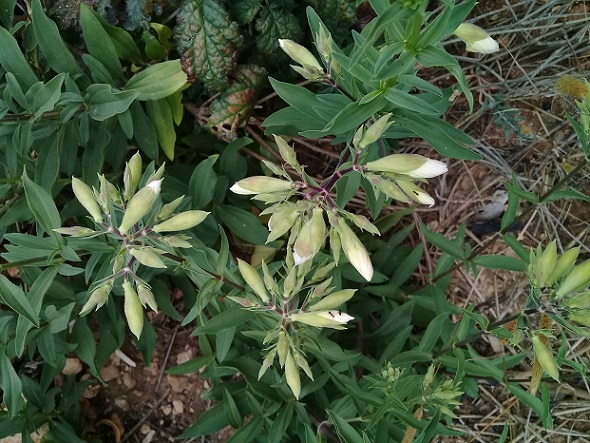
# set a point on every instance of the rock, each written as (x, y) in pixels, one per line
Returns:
(109, 373)
(166, 409)
(122, 404)
(149, 437)
(73, 366)
(145, 428)
(177, 384)
(178, 406)
(185, 356)
(128, 381)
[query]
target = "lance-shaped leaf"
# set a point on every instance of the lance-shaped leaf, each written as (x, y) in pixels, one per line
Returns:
(208, 41)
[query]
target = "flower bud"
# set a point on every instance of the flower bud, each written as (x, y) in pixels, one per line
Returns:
(415, 192)
(375, 131)
(267, 363)
(253, 280)
(269, 281)
(286, 151)
(85, 196)
(322, 289)
(323, 319)
(147, 257)
(290, 283)
(108, 193)
(308, 74)
(281, 221)
(581, 317)
(412, 165)
(282, 348)
(292, 376)
(169, 208)
(146, 297)
(363, 223)
(98, 298)
(564, 264)
(156, 175)
(302, 363)
(580, 300)
(133, 309)
(260, 184)
(177, 241)
(335, 245)
(334, 300)
(324, 43)
(301, 55)
(545, 358)
(182, 221)
(118, 263)
(132, 175)
(544, 266)
(75, 231)
(578, 278)
(476, 39)
(355, 251)
(389, 188)
(140, 204)
(310, 238)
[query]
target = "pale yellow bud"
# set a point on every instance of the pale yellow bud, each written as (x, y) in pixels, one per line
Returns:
(301, 55)
(261, 184)
(290, 283)
(132, 175)
(323, 319)
(375, 131)
(544, 266)
(169, 208)
(282, 348)
(355, 251)
(146, 297)
(334, 300)
(389, 188)
(267, 363)
(363, 223)
(415, 192)
(310, 238)
(564, 264)
(580, 300)
(133, 309)
(75, 231)
(147, 257)
(281, 221)
(253, 280)
(182, 221)
(286, 151)
(578, 279)
(108, 193)
(302, 363)
(140, 204)
(177, 241)
(292, 375)
(98, 298)
(476, 39)
(412, 165)
(86, 197)
(545, 358)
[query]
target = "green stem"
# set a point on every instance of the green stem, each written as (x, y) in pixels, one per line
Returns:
(19, 263)
(217, 277)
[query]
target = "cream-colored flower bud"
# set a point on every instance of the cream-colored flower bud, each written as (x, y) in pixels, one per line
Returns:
(324, 43)
(545, 358)
(290, 283)
(98, 298)
(323, 319)
(75, 231)
(389, 188)
(133, 309)
(334, 300)
(244, 302)
(310, 238)
(412, 165)
(286, 151)
(300, 54)
(322, 289)
(169, 208)
(415, 192)
(375, 131)
(267, 362)
(580, 300)
(335, 245)
(322, 272)
(156, 175)
(146, 297)
(355, 251)
(147, 257)
(544, 266)
(281, 221)
(363, 223)
(119, 262)
(302, 363)
(564, 264)
(177, 241)
(292, 376)
(182, 221)
(308, 74)
(269, 282)
(253, 280)
(282, 348)
(86, 197)
(581, 317)
(476, 39)
(578, 279)
(132, 175)
(140, 204)
(108, 193)
(261, 184)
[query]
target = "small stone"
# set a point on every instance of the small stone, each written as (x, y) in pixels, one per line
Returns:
(149, 437)
(122, 404)
(178, 406)
(183, 357)
(109, 373)
(177, 384)
(73, 366)
(145, 428)
(166, 409)
(128, 381)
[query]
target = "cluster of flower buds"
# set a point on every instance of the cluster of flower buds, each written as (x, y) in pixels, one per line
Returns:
(476, 39)
(139, 236)
(310, 67)
(319, 309)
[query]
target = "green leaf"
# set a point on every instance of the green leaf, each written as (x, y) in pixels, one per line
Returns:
(201, 186)
(223, 342)
(41, 205)
(345, 431)
(123, 41)
(192, 365)
(300, 98)
(98, 42)
(158, 81)
(500, 262)
(528, 399)
(160, 114)
(14, 297)
(410, 102)
(55, 50)
(104, 102)
(86, 349)
(7, 14)
(354, 114)
(208, 42)
(443, 243)
(244, 11)
(248, 432)
(405, 270)
(143, 131)
(234, 316)
(275, 23)
(232, 108)
(230, 409)
(347, 187)
(98, 71)
(444, 25)
(433, 332)
(517, 247)
(13, 60)
(566, 193)
(12, 386)
(48, 95)
(511, 211)
(528, 196)
(208, 423)
(242, 223)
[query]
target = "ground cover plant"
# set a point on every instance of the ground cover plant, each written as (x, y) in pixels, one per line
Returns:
(307, 296)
